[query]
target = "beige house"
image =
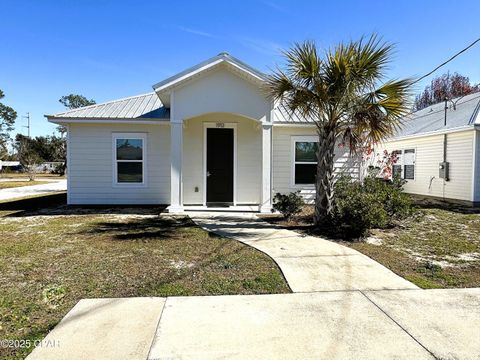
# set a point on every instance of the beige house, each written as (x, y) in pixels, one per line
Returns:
(206, 137)
(439, 150)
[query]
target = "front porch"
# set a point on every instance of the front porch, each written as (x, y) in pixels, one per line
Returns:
(223, 98)
(221, 162)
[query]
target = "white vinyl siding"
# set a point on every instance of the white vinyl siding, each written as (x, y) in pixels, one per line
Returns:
(428, 155)
(476, 179)
(282, 160)
(91, 165)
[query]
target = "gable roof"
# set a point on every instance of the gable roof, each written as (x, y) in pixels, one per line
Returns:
(146, 106)
(462, 112)
(222, 58)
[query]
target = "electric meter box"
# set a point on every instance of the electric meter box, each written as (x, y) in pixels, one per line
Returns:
(443, 170)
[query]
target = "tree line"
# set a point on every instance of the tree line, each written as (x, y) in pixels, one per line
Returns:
(31, 151)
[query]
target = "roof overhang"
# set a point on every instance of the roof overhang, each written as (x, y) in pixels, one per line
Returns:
(63, 121)
(164, 88)
(432, 133)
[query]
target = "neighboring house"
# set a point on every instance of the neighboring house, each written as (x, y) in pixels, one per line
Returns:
(439, 150)
(10, 165)
(48, 166)
(206, 136)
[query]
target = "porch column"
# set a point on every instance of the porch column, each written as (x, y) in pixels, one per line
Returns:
(176, 159)
(266, 205)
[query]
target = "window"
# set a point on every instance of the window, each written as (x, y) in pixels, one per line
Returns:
(305, 160)
(129, 157)
(409, 164)
(397, 167)
(405, 165)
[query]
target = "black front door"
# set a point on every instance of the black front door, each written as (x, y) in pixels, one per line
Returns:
(219, 166)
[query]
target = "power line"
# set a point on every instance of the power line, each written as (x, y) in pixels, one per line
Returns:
(446, 62)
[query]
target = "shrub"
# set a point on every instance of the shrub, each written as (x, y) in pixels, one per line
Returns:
(59, 169)
(375, 203)
(396, 203)
(288, 204)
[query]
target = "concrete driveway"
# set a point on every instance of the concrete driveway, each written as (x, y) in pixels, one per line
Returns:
(344, 306)
(385, 324)
(24, 191)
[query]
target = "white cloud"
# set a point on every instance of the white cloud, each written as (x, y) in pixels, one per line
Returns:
(196, 32)
(262, 46)
(275, 6)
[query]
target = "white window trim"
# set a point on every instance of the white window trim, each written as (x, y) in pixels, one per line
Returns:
(294, 140)
(143, 137)
(402, 163)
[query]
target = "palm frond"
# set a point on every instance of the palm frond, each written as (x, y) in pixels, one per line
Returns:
(303, 62)
(370, 59)
(341, 88)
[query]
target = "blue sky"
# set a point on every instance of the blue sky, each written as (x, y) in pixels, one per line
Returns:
(107, 49)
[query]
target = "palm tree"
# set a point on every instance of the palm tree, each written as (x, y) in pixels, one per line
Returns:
(343, 92)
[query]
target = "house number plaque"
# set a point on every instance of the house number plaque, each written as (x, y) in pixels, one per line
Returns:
(220, 125)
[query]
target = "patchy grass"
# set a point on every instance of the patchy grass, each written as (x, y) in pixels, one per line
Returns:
(435, 248)
(51, 259)
(16, 183)
(438, 247)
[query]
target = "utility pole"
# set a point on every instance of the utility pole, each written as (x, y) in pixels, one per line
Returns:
(28, 122)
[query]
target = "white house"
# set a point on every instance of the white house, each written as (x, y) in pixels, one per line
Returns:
(9, 164)
(439, 150)
(208, 136)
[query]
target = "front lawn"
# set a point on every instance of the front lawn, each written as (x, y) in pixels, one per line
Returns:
(50, 259)
(16, 183)
(437, 247)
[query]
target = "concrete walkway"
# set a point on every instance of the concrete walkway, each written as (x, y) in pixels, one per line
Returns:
(33, 190)
(308, 263)
(370, 314)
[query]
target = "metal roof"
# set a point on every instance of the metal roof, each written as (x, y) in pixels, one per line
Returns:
(461, 112)
(283, 115)
(146, 106)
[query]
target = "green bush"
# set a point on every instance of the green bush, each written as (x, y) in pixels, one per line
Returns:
(288, 204)
(59, 169)
(375, 203)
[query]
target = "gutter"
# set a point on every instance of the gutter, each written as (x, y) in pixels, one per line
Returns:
(60, 120)
(436, 132)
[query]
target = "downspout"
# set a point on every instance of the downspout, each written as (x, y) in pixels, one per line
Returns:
(445, 142)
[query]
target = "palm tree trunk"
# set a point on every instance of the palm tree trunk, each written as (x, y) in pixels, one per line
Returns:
(324, 200)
